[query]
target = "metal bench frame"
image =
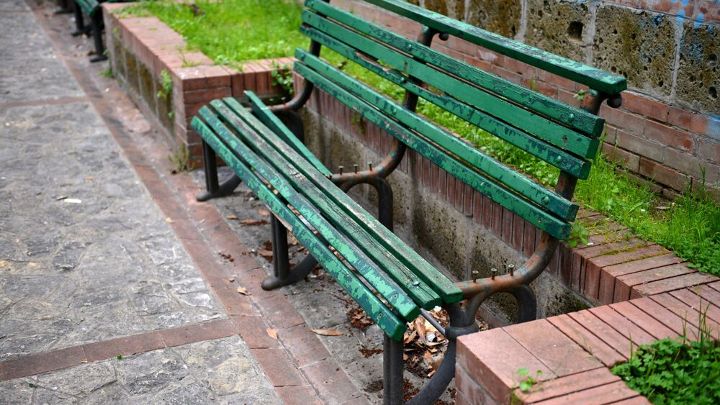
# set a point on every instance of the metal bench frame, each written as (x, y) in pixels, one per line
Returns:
(462, 316)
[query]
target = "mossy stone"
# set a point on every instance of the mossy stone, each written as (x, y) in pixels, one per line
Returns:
(698, 78)
(501, 17)
(639, 45)
(558, 27)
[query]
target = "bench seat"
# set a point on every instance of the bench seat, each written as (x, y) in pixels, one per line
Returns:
(385, 276)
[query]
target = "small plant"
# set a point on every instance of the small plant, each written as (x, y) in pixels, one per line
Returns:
(580, 95)
(107, 73)
(119, 357)
(166, 85)
(180, 159)
(283, 78)
(578, 235)
(526, 380)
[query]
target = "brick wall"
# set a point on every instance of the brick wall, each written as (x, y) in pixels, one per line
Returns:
(668, 129)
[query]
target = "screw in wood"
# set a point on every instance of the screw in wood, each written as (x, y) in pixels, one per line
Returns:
(355, 167)
(475, 275)
(493, 273)
(340, 169)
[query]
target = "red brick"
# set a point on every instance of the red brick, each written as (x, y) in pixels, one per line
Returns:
(663, 174)
(682, 281)
(691, 121)
(507, 228)
(555, 349)
(686, 163)
(567, 385)
(593, 267)
(468, 198)
(603, 331)
(690, 315)
(125, 346)
(609, 274)
(493, 358)
(622, 157)
(707, 293)
(331, 381)
(278, 367)
(627, 122)
(663, 315)
(278, 311)
(640, 104)
(669, 136)
(624, 285)
(518, 231)
(586, 339)
(643, 320)
(697, 303)
(639, 146)
(639, 400)
(497, 218)
(604, 394)
(198, 332)
(205, 95)
(298, 395)
(529, 238)
(621, 324)
(32, 364)
(303, 344)
(254, 331)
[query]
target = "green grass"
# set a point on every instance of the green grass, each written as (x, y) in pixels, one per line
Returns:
(676, 371)
(231, 31)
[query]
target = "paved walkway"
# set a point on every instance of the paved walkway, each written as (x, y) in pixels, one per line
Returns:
(87, 257)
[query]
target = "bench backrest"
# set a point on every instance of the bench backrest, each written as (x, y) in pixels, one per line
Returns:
(562, 135)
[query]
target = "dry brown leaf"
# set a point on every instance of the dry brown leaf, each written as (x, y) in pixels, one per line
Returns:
(243, 291)
(272, 333)
(327, 332)
(231, 279)
(263, 212)
(420, 326)
(253, 222)
(232, 217)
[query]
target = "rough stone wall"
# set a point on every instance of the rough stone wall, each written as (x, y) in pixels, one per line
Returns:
(668, 129)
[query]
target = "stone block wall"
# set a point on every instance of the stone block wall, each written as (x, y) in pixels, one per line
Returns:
(667, 134)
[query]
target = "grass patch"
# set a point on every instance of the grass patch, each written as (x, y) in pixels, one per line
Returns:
(230, 31)
(676, 371)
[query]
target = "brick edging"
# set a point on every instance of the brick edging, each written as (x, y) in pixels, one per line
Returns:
(575, 351)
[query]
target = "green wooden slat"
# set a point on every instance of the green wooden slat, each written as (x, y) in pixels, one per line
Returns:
(271, 150)
(512, 179)
(571, 116)
(88, 7)
(533, 214)
(272, 122)
(391, 242)
(371, 304)
(517, 116)
(564, 161)
(392, 292)
(592, 77)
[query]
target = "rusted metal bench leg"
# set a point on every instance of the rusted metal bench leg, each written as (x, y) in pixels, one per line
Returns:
(96, 28)
(213, 189)
(393, 367)
(65, 7)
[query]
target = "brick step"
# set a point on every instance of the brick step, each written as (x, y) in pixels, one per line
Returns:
(571, 355)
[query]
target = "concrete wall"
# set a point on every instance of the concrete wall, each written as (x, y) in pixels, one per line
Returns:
(669, 127)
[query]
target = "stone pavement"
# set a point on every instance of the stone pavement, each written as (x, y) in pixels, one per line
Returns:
(115, 284)
(87, 257)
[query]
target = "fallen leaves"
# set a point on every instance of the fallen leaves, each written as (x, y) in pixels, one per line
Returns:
(273, 333)
(243, 291)
(253, 222)
(227, 256)
(327, 332)
(424, 345)
(358, 319)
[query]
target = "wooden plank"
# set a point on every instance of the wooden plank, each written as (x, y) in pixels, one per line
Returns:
(519, 117)
(532, 213)
(557, 157)
(378, 279)
(512, 179)
(382, 315)
(271, 121)
(249, 130)
(594, 78)
(571, 116)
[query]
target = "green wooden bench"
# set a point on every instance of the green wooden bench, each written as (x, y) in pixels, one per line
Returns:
(387, 278)
(92, 9)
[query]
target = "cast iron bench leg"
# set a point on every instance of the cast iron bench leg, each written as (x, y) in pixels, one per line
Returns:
(214, 189)
(282, 274)
(64, 7)
(97, 23)
(80, 27)
(393, 366)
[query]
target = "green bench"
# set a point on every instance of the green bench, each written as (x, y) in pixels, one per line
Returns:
(386, 277)
(92, 9)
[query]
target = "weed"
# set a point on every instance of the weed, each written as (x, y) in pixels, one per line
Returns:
(119, 357)
(526, 380)
(676, 371)
(578, 235)
(180, 159)
(107, 72)
(282, 77)
(166, 85)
